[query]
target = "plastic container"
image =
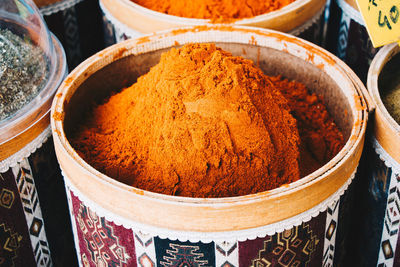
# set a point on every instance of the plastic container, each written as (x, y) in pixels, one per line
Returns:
(31, 202)
(303, 222)
(77, 24)
(125, 19)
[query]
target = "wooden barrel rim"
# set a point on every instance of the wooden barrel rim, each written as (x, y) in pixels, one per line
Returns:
(386, 129)
(195, 214)
(146, 20)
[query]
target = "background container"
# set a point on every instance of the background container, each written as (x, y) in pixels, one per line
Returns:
(77, 24)
(35, 228)
(303, 222)
(124, 19)
(379, 214)
(348, 38)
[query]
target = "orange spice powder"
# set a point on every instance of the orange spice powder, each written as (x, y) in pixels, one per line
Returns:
(214, 9)
(195, 125)
(203, 123)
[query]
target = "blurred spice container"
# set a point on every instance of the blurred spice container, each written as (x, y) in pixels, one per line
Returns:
(379, 223)
(35, 227)
(125, 19)
(348, 38)
(77, 24)
(308, 216)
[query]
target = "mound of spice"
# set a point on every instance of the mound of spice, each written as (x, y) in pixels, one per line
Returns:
(215, 10)
(201, 123)
(23, 72)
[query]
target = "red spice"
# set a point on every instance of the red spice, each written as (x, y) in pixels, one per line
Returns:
(320, 137)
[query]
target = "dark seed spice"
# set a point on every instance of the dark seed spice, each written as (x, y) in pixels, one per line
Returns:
(23, 72)
(389, 87)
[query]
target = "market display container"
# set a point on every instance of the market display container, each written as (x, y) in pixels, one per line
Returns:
(77, 24)
(379, 221)
(124, 19)
(305, 222)
(347, 37)
(34, 219)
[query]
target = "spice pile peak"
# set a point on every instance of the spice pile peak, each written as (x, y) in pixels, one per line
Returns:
(201, 123)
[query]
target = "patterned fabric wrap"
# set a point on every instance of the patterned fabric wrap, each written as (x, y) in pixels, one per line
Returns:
(102, 242)
(379, 209)
(115, 31)
(34, 217)
(348, 38)
(78, 26)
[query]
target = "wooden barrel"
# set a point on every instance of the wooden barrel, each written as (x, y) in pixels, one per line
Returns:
(303, 222)
(379, 222)
(126, 19)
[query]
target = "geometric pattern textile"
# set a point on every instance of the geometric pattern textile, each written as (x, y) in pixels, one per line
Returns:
(330, 233)
(299, 246)
(359, 51)
(145, 251)
(101, 242)
(171, 253)
(343, 36)
(227, 254)
(72, 42)
(22, 235)
(10, 242)
(78, 27)
(33, 214)
(50, 188)
(391, 223)
(293, 247)
(348, 38)
(383, 200)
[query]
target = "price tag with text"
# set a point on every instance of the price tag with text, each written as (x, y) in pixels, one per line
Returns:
(382, 19)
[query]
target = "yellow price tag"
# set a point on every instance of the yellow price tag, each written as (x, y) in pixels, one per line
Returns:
(382, 19)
